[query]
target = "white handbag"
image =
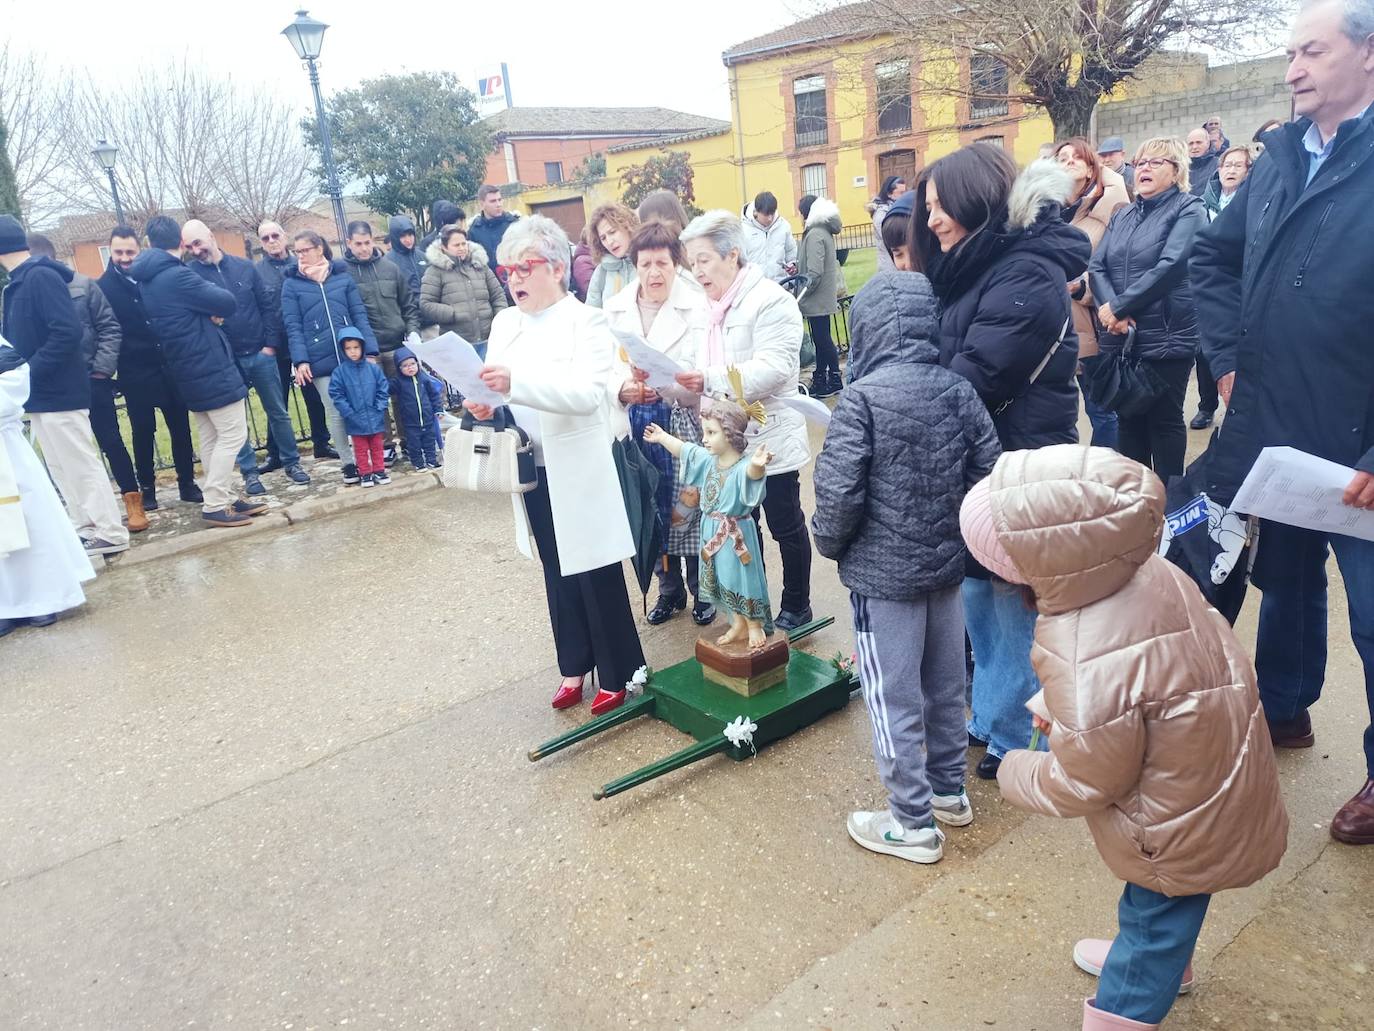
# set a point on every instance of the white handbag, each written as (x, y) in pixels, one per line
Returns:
(492, 457)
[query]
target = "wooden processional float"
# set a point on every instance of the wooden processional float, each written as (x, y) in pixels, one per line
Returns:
(730, 699)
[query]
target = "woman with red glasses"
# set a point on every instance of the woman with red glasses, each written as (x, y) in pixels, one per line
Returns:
(550, 358)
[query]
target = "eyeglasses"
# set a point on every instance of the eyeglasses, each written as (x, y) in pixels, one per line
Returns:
(1235, 166)
(522, 269)
(303, 251)
(1155, 162)
(270, 236)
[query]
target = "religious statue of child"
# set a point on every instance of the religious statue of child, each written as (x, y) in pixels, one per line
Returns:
(731, 488)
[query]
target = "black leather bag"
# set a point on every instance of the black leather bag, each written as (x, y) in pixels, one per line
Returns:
(1120, 382)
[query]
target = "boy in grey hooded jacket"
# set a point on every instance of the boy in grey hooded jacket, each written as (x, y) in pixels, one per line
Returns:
(906, 441)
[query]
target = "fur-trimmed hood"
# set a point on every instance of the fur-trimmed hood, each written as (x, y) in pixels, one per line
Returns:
(824, 212)
(1043, 183)
(436, 255)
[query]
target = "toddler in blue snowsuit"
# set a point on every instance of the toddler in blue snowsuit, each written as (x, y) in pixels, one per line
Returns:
(417, 397)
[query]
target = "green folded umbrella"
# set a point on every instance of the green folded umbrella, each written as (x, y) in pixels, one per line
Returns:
(639, 485)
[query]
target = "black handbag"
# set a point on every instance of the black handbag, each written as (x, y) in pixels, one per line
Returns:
(1120, 382)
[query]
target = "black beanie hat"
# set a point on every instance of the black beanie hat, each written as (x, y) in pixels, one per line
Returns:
(12, 236)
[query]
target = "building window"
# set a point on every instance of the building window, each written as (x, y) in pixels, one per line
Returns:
(813, 180)
(808, 96)
(553, 172)
(1000, 142)
(987, 87)
(104, 257)
(893, 80)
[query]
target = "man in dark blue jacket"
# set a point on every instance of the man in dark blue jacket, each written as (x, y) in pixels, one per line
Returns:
(490, 226)
(1282, 282)
(255, 334)
(186, 313)
(142, 378)
(404, 253)
(276, 255)
(38, 317)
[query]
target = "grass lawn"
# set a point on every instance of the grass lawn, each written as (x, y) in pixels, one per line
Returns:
(859, 268)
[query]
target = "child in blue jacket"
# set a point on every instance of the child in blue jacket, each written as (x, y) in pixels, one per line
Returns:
(417, 395)
(359, 391)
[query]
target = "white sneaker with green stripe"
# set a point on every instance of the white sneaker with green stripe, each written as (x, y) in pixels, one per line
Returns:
(879, 832)
(954, 810)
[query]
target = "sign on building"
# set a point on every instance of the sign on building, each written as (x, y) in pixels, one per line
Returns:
(493, 90)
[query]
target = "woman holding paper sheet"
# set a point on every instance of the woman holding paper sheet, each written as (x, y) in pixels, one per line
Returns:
(670, 316)
(550, 358)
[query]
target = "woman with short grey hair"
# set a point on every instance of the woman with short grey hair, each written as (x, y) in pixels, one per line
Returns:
(754, 325)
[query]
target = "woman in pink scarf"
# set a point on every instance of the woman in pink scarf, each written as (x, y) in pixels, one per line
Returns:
(755, 327)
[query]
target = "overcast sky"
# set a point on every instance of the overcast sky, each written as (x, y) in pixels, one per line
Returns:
(558, 53)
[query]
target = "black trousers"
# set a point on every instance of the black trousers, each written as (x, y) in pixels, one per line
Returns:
(593, 627)
(827, 355)
(142, 395)
(314, 408)
(787, 525)
(105, 426)
(1207, 396)
(1159, 438)
(670, 583)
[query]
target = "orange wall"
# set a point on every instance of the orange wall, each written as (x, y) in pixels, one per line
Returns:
(530, 156)
(86, 256)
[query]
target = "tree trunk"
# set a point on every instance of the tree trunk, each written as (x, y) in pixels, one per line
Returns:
(1071, 109)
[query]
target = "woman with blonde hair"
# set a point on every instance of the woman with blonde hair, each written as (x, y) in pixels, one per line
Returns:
(612, 225)
(1139, 278)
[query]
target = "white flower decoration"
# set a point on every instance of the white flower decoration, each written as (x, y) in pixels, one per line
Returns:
(635, 685)
(741, 732)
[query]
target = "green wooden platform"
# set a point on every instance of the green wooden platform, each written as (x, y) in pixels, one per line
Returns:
(681, 696)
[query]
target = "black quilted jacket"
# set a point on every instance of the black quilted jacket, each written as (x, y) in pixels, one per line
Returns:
(907, 439)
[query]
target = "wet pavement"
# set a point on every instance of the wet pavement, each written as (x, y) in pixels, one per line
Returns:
(281, 783)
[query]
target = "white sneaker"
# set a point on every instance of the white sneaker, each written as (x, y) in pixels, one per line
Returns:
(954, 810)
(879, 832)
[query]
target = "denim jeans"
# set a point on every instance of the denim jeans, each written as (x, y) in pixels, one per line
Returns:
(1103, 421)
(1290, 651)
(1001, 627)
(1152, 948)
(260, 372)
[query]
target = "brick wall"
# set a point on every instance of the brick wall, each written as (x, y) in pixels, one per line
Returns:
(1245, 95)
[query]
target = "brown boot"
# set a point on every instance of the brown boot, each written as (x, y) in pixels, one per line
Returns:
(133, 504)
(1354, 824)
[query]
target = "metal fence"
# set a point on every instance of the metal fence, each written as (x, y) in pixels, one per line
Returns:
(852, 238)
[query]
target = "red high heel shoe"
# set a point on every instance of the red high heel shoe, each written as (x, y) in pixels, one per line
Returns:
(607, 701)
(569, 693)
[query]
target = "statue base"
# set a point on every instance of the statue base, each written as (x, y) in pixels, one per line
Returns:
(744, 670)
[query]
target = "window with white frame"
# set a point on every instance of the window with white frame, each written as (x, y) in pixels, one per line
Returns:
(893, 80)
(808, 97)
(813, 180)
(987, 87)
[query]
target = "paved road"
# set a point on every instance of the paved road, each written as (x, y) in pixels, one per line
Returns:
(282, 783)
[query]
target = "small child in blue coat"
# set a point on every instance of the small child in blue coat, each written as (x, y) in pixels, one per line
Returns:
(359, 391)
(417, 395)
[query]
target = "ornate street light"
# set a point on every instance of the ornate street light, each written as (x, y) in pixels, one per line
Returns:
(306, 35)
(105, 153)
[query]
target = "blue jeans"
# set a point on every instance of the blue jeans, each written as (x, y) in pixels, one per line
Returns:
(1001, 627)
(1290, 651)
(1151, 950)
(261, 373)
(1103, 421)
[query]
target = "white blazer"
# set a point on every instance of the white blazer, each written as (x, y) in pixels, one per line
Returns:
(559, 361)
(678, 331)
(763, 338)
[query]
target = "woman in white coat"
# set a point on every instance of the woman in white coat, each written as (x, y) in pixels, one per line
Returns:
(550, 359)
(42, 562)
(754, 325)
(670, 314)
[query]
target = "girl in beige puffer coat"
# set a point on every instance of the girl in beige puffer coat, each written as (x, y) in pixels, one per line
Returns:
(1155, 728)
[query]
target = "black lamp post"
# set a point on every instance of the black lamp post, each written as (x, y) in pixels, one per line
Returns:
(307, 37)
(105, 153)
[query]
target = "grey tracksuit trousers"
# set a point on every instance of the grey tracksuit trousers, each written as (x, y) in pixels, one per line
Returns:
(911, 667)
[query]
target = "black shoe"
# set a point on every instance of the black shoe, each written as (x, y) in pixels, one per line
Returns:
(389, 455)
(825, 384)
(350, 474)
(272, 464)
(325, 451)
(1202, 420)
(247, 508)
(150, 499)
(381, 478)
(191, 493)
(47, 620)
(252, 485)
(8, 626)
(665, 608)
(366, 480)
(703, 613)
(976, 742)
(789, 621)
(296, 474)
(987, 767)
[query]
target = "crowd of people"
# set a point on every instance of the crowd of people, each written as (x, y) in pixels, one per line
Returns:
(967, 521)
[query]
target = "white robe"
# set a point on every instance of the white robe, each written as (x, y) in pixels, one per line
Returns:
(46, 576)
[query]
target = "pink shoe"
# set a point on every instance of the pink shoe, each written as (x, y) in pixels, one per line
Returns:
(1090, 954)
(1095, 1019)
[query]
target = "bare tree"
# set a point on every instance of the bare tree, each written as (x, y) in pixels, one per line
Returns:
(263, 170)
(33, 103)
(1060, 55)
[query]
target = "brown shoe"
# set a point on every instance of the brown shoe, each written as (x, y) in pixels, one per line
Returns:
(1292, 733)
(1354, 823)
(133, 504)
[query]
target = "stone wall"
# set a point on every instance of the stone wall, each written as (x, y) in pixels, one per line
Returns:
(1245, 95)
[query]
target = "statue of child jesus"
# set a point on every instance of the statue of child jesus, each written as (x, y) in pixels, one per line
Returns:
(731, 488)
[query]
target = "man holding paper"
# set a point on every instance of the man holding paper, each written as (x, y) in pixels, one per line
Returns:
(1281, 280)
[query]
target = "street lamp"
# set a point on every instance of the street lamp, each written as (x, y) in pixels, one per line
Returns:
(105, 153)
(306, 35)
